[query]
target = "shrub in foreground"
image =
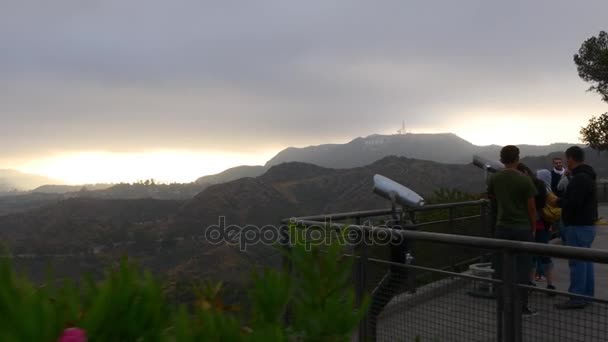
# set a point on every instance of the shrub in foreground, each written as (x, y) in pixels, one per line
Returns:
(129, 305)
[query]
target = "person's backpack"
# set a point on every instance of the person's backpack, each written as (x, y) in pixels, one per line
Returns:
(551, 214)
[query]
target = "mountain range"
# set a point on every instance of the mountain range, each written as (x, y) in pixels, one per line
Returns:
(13, 202)
(302, 189)
(232, 174)
(443, 148)
(14, 181)
(165, 235)
(79, 231)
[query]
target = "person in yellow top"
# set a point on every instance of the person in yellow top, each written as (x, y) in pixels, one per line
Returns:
(545, 227)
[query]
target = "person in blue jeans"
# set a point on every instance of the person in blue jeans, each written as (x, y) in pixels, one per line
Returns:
(581, 271)
(579, 214)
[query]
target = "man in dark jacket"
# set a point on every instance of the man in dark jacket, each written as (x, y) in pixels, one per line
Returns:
(579, 213)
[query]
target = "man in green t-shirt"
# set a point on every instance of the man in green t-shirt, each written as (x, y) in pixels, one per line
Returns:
(513, 194)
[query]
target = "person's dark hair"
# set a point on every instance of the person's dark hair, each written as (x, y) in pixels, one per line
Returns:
(575, 153)
(557, 158)
(509, 154)
(539, 184)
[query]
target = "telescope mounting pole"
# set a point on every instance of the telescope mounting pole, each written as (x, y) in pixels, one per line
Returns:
(393, 197)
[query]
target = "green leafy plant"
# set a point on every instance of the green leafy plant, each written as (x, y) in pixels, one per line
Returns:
(33, 313)
(128, 305)
(324, 308)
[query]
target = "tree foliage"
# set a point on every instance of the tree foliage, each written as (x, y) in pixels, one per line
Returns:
(444, 196)
(596, 133)
(592, 63)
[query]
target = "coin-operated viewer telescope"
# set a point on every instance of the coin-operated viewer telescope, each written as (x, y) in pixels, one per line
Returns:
(407, 198)
(401, 249)
(396, 193)
(489, 166)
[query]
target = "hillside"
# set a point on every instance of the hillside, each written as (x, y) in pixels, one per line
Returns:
(80, 234)
(24, 202)
(300, 189)
(232, 174)
(11, 180)
(84, 235)
(294, 189)
(49, 194)
(177, 191)
(73, 221)
(63, 189)
(444, 148)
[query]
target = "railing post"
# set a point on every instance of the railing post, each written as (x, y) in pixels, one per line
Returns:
(362, 280)
(286, 263)
(486, 226)
(451, 230)
(483, 229)
(511, 299)
(500, 311)
(451, 220)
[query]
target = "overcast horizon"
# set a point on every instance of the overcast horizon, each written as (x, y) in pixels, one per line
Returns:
(152, 158)
(105, 91)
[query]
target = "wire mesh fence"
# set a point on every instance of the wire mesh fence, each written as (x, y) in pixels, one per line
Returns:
(423, 289)
(444, 309)
(551, 324)
(450, 306)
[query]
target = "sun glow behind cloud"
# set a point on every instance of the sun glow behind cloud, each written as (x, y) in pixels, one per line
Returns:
(502, 128)
(163, 166)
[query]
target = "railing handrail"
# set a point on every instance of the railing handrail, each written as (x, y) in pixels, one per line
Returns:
(387, 211)
(590, 254)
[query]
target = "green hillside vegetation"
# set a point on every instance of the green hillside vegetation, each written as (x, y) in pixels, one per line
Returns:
(128, 305)
(80, 235)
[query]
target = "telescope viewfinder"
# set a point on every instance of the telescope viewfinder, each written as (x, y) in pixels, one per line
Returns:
(396, 192)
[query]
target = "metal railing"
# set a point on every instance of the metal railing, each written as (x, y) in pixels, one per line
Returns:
(413, 299)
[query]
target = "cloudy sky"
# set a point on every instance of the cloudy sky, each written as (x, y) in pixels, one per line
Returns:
(108, 90)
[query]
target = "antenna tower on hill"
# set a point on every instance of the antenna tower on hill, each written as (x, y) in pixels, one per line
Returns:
(402, 130)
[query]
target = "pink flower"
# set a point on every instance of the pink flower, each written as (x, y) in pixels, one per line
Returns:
(73, 335)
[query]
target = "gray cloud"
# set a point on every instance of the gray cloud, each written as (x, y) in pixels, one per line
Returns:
(129, 75)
